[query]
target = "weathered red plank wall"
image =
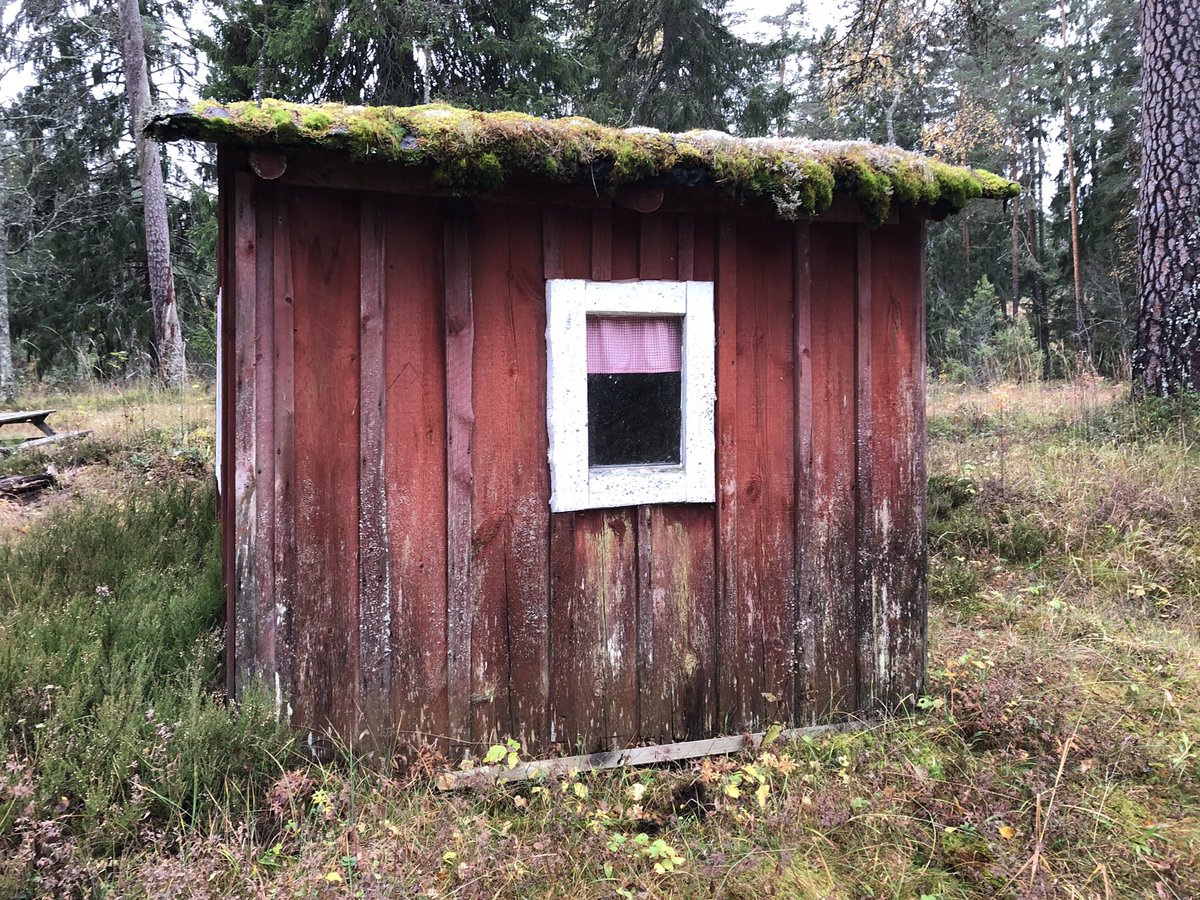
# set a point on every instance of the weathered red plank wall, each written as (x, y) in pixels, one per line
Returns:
(398, 570)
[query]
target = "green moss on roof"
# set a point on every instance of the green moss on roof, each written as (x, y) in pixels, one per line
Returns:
(470, 152)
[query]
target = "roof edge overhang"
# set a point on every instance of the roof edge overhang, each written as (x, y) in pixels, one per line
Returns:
(466, 152)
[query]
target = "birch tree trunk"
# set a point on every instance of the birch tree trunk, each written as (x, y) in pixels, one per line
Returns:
(8, 388)
(168, 338)
(1167, 358)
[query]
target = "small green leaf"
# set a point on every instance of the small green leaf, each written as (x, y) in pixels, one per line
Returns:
(772, 734)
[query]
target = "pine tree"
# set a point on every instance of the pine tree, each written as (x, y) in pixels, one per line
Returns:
(1168, 347)
(172, 363)
(77, 288)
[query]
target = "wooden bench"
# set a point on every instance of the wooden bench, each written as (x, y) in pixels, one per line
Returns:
(36, 418)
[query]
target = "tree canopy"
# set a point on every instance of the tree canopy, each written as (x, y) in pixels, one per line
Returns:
(987, 83)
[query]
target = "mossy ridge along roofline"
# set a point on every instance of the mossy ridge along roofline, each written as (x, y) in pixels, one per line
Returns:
(471, 152)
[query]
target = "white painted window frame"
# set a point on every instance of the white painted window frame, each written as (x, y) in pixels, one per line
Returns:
(573, 484)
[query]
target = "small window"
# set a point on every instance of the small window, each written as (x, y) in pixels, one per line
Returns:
(634, 390)
(630, 393)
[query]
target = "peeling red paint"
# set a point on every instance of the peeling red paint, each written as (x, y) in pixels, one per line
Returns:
(396, 569)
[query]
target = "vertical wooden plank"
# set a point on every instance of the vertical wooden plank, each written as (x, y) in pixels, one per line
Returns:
(553, 219)
(731, 649)
(561, 665)
(264, 436)
(678, 658)
(625, 243)
(805, 703)
(650, 240)
(245, 622)
(285, 450)
(765, 437)
(576, 244)
(686, 252)
(831, 561)
(226, 304)
(325, 272)
(602, 235)
(606, 561)
(895, 516)
(509, 578)
(527, 572)
(704, 254)
(918, 610)
(460, 426)
(868, 613)
(374, 607)
(415, 459)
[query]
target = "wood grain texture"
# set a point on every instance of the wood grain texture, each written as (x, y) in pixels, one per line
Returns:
(395, 566)
(677, 611)
(374, 609)
(241, 398)
(460, 426)
(832, 547)
(264, 438)
(325, 274)
(284, 501)
(806, 677)
(731, 652)
(895, 517)
(510, 542)
(415, 467)
(226, 437)
(867, 588)
(764, 579)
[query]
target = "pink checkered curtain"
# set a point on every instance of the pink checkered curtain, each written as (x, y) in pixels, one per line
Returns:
(634, 344)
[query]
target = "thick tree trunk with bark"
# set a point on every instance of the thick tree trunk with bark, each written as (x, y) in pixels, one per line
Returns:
(1167, 358)
(168, 338)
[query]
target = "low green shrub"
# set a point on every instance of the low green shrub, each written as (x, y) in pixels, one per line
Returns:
(966, 518)
(954, 582)
(110, 616)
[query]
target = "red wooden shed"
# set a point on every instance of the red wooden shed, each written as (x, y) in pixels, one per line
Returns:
(589, 437)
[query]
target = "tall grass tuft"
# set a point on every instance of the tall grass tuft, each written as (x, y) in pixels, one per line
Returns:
(109, 664)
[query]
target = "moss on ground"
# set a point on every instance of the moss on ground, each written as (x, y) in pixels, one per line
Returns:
(470, 152)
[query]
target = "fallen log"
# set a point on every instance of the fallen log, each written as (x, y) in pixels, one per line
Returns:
(24, 485)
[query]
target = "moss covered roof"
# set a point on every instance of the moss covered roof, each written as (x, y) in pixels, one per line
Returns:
(470, 152)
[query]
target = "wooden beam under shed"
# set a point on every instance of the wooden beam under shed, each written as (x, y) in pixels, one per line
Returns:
(483, 776)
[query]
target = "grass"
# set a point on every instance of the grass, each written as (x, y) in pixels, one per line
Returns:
(1056, 753)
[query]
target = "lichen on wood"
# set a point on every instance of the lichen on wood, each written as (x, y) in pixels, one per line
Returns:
(468, 152)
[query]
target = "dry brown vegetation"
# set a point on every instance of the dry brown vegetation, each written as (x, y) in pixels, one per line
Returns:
(1055, 754)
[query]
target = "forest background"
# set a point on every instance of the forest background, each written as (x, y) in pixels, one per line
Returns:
(1032, 89)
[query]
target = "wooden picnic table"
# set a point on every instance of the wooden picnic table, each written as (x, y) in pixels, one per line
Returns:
(35, 417)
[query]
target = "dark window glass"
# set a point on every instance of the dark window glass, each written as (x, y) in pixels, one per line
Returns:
(634, 418)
